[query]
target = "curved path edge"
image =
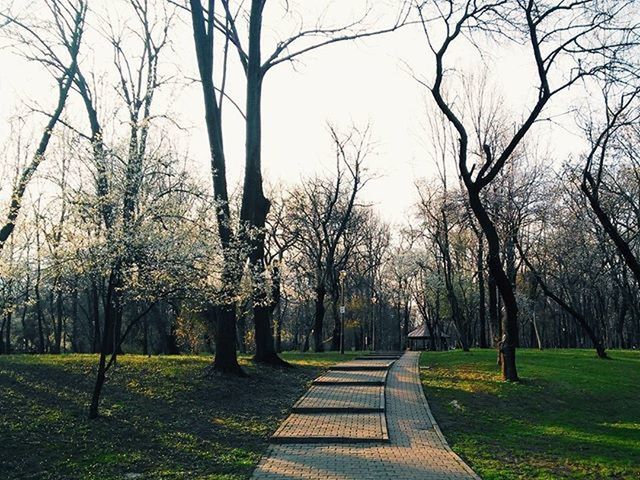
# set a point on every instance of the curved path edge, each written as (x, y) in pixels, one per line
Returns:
(437, 429)
(416, 448)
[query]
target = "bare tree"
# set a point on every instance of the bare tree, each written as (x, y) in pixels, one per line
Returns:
(598, 344)
(323, 211)
(568, 42)
(279, 243)
(623, 116)
(255, 206)
(64, 31)
(137, 84)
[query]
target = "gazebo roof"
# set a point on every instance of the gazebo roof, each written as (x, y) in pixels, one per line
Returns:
(422, 332)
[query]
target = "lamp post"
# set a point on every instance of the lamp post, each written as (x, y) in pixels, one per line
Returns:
(374, 301)
(343, 274)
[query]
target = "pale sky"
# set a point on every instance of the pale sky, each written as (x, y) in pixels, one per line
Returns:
(361, 82)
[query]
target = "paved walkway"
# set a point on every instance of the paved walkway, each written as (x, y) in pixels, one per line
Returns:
(354, 398)
(416, 449)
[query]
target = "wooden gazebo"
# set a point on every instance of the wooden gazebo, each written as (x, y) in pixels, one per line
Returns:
(420, 339)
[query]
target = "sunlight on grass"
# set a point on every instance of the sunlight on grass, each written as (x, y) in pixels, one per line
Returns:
(161, 416)
(628, 426)
(573, 416)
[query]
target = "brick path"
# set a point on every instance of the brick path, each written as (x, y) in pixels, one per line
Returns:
(344, 397)
(416, 448)
(357, 377)
(309, 427)
(375, 364)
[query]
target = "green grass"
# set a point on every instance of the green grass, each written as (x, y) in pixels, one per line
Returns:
(573, 416)
(161, 417)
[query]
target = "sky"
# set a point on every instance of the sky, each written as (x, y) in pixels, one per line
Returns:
(367, 81)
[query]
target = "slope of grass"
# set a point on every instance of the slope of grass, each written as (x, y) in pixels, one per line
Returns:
(573, 416)
(162, 419)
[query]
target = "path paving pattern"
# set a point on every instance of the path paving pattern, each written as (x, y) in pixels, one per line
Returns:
(415, 448)
(348, 398)
(354, 377)
(314, 427)
(373, 364)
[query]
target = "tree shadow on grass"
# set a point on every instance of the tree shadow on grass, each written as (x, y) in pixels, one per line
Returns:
(154, 421)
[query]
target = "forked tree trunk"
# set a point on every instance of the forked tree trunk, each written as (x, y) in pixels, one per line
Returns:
(226, 360)
(255, 206)
(509, 318)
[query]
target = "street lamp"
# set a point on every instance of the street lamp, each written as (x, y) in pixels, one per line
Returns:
(343, 275)
(374, 301)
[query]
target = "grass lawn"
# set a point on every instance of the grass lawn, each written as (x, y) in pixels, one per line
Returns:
(161, 418)
(573, 415)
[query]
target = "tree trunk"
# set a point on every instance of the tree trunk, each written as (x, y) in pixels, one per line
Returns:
(113, 312)
(337, 322)
(171, 343)
(95, 309)
(255, 206)
(107, 343)
(597, 342)
(405, 327)
(305, 344)
(65, 85)
(23, 322)
(482, 319)
(279, 329)
(40, 317)
(493, 310)
(57, 333)
(7, 348)
(262, 316)
(265, 345)
(241, 325)
(145, 336)
(608, 226)
(97, 388)
(624, 307)
(509, 319)
(536, 331)
(226, 360)
(2, 346)
(75, 340)
(318, 319)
